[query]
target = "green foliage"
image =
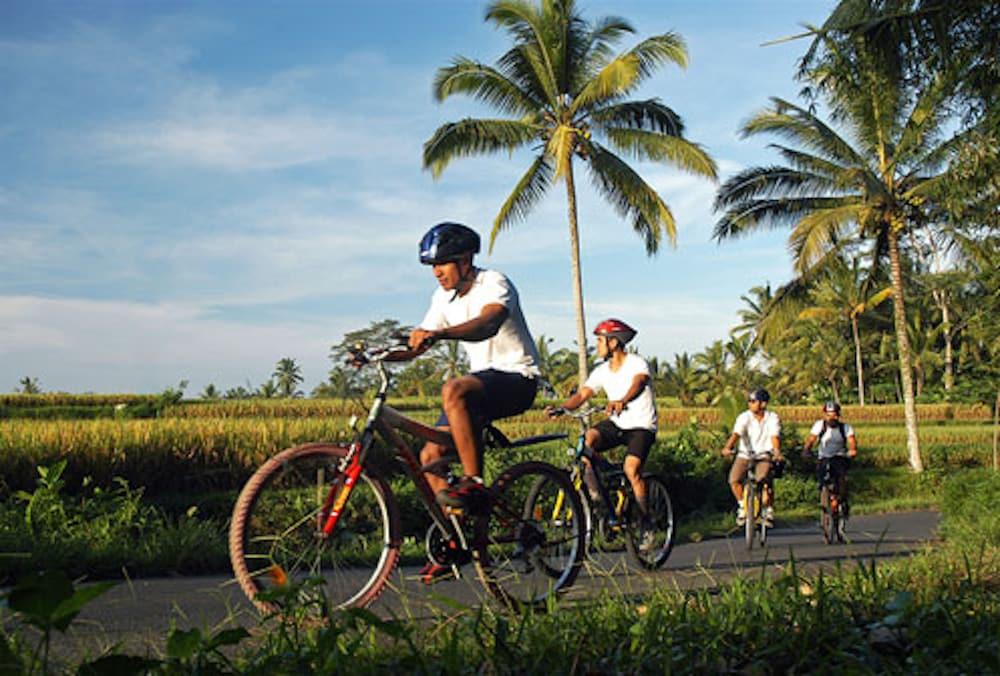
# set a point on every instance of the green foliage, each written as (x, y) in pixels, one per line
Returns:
(967, 507)
(100, 531)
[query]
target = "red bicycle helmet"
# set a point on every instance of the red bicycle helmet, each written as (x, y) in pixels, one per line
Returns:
(615, 328)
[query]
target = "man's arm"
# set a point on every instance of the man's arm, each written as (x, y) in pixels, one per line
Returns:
(807, 447)
(574, 402)
(478, 328)
(852, 446)
(638, 385)
(727, 448)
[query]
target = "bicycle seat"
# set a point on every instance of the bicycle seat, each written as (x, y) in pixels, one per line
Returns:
(440, 466)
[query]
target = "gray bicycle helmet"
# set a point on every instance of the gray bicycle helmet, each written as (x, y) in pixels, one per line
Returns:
(447, 242)
(831, 406)
(760, 394)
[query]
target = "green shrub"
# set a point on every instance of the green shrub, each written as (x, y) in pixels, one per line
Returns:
(968, 516)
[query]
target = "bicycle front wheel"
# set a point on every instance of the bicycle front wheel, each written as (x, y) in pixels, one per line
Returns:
(826, 517)
(526, 549)
(276, 543)
(650, 546)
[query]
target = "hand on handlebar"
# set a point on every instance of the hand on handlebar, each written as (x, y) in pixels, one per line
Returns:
(421, 339)
(554, 411)
(726, 452)
(614, 407)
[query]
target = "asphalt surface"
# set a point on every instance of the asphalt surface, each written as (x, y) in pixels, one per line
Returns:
(138, 614)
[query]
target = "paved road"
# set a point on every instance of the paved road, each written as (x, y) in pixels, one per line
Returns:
(139, 613)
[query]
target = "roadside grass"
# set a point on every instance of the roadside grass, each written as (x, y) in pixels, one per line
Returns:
(935, 612)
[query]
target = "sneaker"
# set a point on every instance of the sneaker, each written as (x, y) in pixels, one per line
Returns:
(434, 572)
(467, 493)
(769, 515)
(741, 515)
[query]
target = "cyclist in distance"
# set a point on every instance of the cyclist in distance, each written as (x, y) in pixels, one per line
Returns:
(631, 408)
(758, 432)
(480, 308)
(837, 444)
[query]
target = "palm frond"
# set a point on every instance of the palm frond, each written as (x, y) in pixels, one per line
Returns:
(530, 57)
(528, 191)
(647, 145)
(819, 230)
(801, 126)
(751, 215)
(631, 197)
(765, 182)
(475, 137)
(485, 84)
(649, 115)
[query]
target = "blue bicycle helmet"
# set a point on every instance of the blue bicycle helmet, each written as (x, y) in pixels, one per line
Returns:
(447, 242)
(760, 394)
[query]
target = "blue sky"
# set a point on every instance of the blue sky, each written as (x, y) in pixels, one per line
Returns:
(194, 190)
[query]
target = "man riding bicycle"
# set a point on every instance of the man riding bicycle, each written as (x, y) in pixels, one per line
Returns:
(481, 309)
(837, 445)
(759, 434)
(631, 409)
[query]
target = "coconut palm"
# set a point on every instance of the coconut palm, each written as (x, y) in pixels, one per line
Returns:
(843, 294)
(563, 87)
(287, 376)
(713, 366)
(871, 181)
(30, 385)
(682, 379)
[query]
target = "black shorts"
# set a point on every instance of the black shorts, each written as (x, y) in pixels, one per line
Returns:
(504, 395)
(638, 441)
(836, 466)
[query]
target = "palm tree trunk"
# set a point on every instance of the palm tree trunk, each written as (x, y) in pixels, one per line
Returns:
(857, 360)
(574, 244)
(903, 345)
(949, 366)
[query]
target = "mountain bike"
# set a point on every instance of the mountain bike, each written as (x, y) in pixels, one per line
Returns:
(833, 507)
(615, 515)
(322, 513)
(753, 505)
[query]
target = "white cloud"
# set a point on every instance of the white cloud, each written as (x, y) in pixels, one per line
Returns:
(85, 345)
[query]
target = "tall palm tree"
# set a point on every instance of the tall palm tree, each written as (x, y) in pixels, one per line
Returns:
(562, 86)
(842, 294)
(871, 181)
(287, 376)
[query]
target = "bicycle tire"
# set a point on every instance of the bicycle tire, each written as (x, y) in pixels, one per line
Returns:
(661, 513)
(274, 535)
(749, 511)
(762, 522)
(525, 554)
(563, 508)
(825, 517)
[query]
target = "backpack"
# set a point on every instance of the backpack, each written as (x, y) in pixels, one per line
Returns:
(839, 426)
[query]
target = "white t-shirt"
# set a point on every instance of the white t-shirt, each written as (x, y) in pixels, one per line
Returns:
(640, 413)
(831, 441)
(511, 349)
(755, 435)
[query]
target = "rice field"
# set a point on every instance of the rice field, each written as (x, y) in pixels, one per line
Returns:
(216, 446)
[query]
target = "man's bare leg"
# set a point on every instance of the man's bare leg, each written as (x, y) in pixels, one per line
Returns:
(455, 395)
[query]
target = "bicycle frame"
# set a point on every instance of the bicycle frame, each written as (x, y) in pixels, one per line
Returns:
(384, 419)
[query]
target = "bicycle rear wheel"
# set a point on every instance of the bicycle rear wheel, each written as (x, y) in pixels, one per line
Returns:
(651, 547)
(526, 550)
(276, 542)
